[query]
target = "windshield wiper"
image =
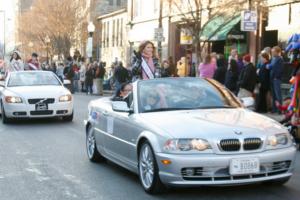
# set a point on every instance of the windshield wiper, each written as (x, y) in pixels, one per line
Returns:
(166, 109)
(214, 107)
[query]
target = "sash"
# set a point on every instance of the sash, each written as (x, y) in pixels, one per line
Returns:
(147, 69)
(32, 66)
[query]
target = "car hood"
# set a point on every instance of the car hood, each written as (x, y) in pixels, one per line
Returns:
(37, 91)
(212, 123)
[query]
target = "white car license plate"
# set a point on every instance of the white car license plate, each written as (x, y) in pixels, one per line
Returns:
(244, 166)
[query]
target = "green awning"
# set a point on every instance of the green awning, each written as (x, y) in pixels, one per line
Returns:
(218, 28)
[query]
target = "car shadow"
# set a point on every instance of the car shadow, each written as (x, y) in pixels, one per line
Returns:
(253, 191)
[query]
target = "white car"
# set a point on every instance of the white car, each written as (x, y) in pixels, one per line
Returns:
(34, 94)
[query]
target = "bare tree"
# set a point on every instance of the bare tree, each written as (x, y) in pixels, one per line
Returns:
(61, 20)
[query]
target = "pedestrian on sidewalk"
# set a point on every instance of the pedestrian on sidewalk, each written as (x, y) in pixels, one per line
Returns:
(82, 74)
(207, 68)
(69, 73)
(121, 76)
(145, 63)
(264, 83)
(220, 72)
(247, 78)
(276, 68)
(99, 76)
(89, 76)
(232, 76)
(60, 71)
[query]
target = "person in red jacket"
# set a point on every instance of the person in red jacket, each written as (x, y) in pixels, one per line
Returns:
(33, 63)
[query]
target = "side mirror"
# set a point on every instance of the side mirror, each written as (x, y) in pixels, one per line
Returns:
(2, 83)
(120, 106)
(248, 102)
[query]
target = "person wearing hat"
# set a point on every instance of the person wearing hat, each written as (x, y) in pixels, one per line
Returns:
(15, 62)
(247, 79)
(33, 63)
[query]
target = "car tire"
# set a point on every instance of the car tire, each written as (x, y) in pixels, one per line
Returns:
(148, 170)
(69, 118)
(278, 182)
(5, 120)
(91, 146)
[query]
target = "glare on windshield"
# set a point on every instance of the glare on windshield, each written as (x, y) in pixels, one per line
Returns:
(32, 79)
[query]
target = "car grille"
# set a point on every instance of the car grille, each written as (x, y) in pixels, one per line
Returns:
(41, 112)
(252, 143)
(248, 144)
(222, 173)
(230, 145)
(47, 100)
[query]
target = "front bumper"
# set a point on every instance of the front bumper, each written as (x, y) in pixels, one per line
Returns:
(24, 110)
(214, 169)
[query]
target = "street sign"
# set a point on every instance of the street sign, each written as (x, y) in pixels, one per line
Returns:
(159, 34)
(186, 36)
(249, 20)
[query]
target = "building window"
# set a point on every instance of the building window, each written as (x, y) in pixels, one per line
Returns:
(118, 2)
(103, 34)
(118, 32)
(107, 34)
(111, 2)
(121, 33)
(113, 33)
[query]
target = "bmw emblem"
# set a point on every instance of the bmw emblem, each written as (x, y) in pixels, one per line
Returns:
(238, 132)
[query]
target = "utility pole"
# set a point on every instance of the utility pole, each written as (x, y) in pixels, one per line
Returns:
(159, 47)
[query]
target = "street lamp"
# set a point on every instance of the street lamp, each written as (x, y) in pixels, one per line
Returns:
(91, 30)
(47, 40)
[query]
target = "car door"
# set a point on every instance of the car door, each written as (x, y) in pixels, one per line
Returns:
(100, 121)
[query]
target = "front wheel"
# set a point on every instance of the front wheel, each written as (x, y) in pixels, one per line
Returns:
(91, 147)
(69, 118)
(5, 120)
(148, 170)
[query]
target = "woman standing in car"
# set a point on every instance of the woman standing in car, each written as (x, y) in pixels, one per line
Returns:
(16, 63)
(145, 64)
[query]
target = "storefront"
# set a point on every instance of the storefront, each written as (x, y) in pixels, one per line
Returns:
(224, 35)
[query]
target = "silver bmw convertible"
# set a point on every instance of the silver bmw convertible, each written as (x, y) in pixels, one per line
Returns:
(188, 132)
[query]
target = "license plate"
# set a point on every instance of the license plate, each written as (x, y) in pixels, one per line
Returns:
(41, 107)
(244, 166)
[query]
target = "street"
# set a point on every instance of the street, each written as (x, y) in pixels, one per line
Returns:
(46, 159)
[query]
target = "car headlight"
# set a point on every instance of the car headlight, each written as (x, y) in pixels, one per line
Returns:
(278, 140)
(65, 98)
(186, 145)
(12, 99)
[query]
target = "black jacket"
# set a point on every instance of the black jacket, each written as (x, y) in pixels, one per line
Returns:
(220, 72)
(121, 74)
(248, 78)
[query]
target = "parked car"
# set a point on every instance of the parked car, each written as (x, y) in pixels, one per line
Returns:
(34, 94)
(188, 132)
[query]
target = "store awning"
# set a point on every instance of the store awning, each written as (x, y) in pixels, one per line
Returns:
(218, 28)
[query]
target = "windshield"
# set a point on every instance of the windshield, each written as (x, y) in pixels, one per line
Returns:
(32, 79)
(183, 94)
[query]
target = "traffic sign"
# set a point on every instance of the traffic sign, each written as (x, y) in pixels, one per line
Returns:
(249, 20)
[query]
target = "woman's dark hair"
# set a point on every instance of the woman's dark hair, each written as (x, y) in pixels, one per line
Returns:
(123, 85)
(18, 56)
(221, 61)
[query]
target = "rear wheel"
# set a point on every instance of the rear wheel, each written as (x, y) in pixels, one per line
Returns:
(148, 170)
(91, 147)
